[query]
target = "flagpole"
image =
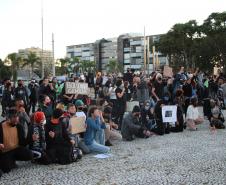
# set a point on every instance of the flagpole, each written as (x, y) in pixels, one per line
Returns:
(42, 39)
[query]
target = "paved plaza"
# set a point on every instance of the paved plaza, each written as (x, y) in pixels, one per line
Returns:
(197, 157)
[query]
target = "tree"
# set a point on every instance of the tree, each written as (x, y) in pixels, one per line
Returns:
(87, 66)
(4, 71)
(31, 60)
(113, 66)
(15, 64)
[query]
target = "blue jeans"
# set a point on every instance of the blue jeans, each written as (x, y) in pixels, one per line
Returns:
(100, 137)
(98, 148)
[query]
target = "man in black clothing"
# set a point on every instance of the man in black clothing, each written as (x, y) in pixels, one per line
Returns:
(12, 143)
(21, 93)
(34, 95)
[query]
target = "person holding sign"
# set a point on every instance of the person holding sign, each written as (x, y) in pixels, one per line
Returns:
(95, 123)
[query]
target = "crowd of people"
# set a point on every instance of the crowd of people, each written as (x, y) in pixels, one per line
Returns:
(37, 117)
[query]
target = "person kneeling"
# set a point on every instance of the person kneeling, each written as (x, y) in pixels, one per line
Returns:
(132, 126)
(12, 143)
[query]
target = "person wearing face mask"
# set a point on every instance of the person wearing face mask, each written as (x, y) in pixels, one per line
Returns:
(80, 107)
(12, 143)
(46, 107)
(132, 126)
(21, 93)
(36, 139)
(7, 98)
(24, 119)
(71, 112)
(147, 115)
(193, 117)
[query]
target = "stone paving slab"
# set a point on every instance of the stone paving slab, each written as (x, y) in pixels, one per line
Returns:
(197, 157)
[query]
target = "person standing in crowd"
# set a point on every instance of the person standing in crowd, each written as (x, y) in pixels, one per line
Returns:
(33, 87)
(98, 84)
(187, 92)
(132, 126)
(158, 88)
(193, 117)
(220, 92)
(142, 93)
(24, 119)
(21, 93)
(224, 92)
(95, 122)
(7, 98)
(12, 143)
(106, 91)
(179, 79)
(46, 88)
(120, 104)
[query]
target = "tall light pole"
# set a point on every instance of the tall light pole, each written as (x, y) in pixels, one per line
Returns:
(53, 62)
(42, 40)
(145, 55)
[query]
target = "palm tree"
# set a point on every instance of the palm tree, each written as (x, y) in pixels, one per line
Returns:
(87, 66)
(113, 66)
(15, 64)
(31, 60)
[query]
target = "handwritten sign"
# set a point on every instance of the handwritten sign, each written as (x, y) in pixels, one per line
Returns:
(77, 88)
(169, 113)
(167, 71)
(216, 71)
(78, 125)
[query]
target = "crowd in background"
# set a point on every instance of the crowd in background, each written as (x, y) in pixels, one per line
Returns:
(37, 124)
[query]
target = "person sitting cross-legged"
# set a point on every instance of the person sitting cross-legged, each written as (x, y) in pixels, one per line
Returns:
(12, 143)
(132, 126)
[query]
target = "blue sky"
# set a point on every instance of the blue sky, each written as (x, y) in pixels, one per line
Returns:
(83, 21)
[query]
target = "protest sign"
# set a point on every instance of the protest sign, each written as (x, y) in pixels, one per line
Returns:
(168, 71)
(130, 105)
(76, 88)
(169, 113)
(216, 71)
(78, 125)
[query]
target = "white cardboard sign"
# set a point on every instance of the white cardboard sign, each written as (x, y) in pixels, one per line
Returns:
(76, 88)
(169, 113)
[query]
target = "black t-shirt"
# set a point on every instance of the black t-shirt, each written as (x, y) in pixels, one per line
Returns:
(159, 89)
(187, 88)
(120, 102)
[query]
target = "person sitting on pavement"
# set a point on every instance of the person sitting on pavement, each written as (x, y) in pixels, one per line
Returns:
(59, 144)
(111, 132)
(80, 106)
(193, 117)
(12, 143)
(36, 138)
(132, 126)
(95, 123)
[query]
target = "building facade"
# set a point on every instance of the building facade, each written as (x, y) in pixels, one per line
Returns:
(46, 57)
(127, 49)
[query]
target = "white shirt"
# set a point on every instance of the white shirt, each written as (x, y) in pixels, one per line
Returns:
(80, 114)
(112, 93)
(192, 113)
